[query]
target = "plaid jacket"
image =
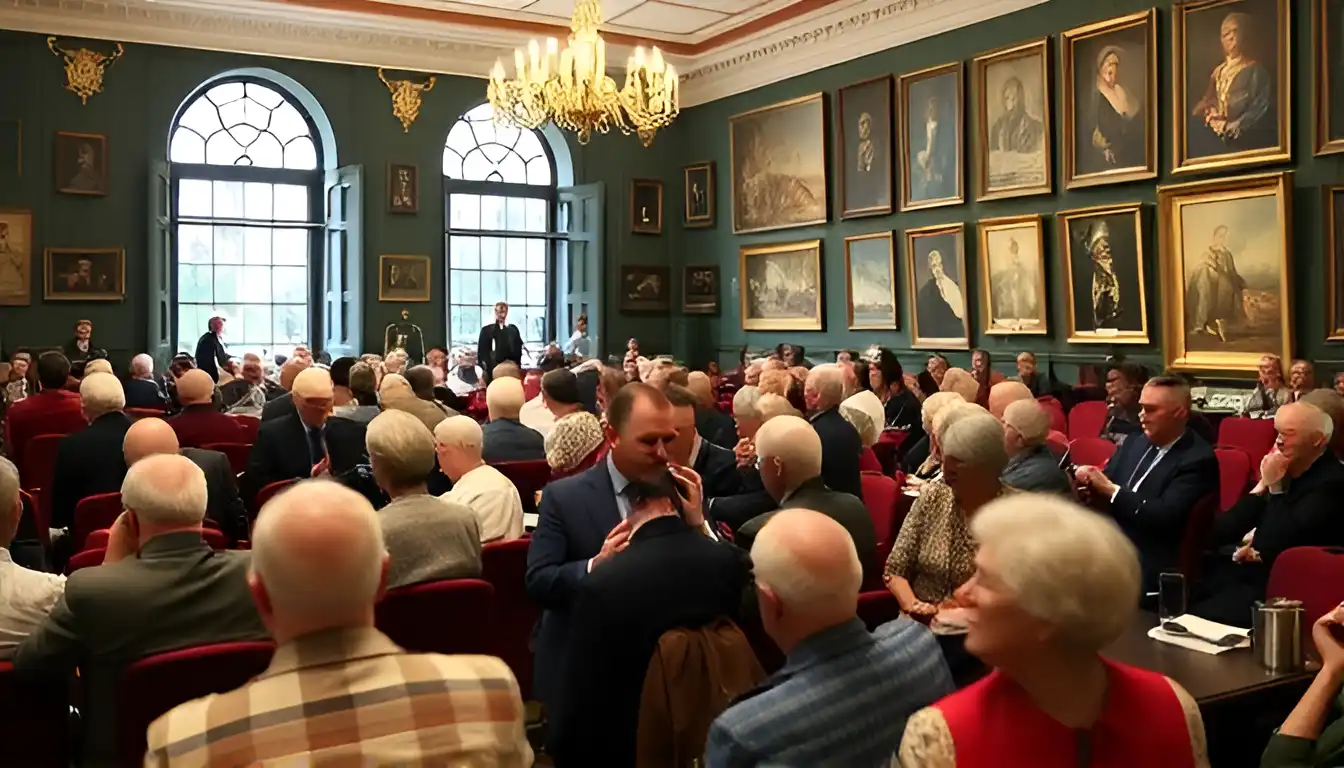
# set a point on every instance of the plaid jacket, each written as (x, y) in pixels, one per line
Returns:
(352, 697)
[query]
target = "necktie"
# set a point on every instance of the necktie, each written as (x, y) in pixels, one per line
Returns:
(1149, 456)
(315, 450)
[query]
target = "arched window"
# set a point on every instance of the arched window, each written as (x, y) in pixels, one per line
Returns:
(500, 186)
(247, 216)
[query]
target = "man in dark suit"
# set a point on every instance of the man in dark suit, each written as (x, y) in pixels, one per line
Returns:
(253, 375)
(142, 389)
(712, 424)
(151, 437)
(89, 462)
(823, 391)
(498, 342)
(1155, 479)
(717, 467)
(505, 437)
(199, 423)
(290, 447)
(210, 352)
(160, 588)
(283, 404)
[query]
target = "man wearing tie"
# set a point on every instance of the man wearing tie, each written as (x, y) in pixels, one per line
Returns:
(291, 446)
(1155, 479)
(498, 342)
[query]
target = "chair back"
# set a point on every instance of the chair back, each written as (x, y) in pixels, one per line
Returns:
(1087, 419)
(1197, 529)
(155, 684)
(87, 558)
(1091, 451)
(880, 495)
(877, 607)
(1055, 410)
(264, 495)
(1057, 442)
(531, 384)
(1314, 575)
(454, 616)
(1234, 476)
(34, 721)
(39, 462)
(868, 461)
(1254, 436)
(504, 565)
(35, 523)
(248, 426)
(93, 512)
(528, 477)
(136, 414)
(236, 452)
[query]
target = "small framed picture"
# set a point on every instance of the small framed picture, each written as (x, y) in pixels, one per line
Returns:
(646, 207)
(644, 289)
(864, 156)
(16, 257)
(699, 210)
(700, 290)
(80, 160)
(403, 278)
(403, 189)
(84, 274)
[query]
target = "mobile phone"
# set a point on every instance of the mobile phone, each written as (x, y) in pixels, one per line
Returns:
(1170, 596)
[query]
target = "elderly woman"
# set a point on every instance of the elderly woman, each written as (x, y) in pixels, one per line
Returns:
(22, 379)
(963, 383)
(922, 460)
(1270, 389)
(887, 380)
(747, 418)
(864, 411)
(776, 382)
(1031, 465)
(1053, 585)
(770, 406)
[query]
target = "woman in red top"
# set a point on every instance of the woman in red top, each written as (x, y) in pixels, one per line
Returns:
(1054, 584)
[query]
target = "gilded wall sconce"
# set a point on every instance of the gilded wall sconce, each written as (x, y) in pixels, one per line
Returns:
(406, 98)
(84, 68)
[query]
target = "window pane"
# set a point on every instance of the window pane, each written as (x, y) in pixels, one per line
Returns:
(514, 213)
(492, 253)
(193, 197)
(228, 245)
(256, 245)
(536, 215)
(266, 152)
(464, 252)
(517, 255)
(290, 284)
(257, 324)
(291, 202)
(536, 255)
(492, 212)
(300, 155)
(470, 291)
(290, 246)
(517, 283)
(455, 286)
(465, 212)
(228, 283)
(258, 282)
(187, 147)
(291, 325)
(228, 199)
(536, 288)
(492, 284)
(257, 201)
(194, 282)
(195, 244)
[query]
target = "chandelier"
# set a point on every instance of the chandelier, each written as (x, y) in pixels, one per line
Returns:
(571, 87)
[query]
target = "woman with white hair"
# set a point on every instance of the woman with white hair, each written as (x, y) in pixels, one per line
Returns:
(923, 461)
(959, 380)
(1053, 585)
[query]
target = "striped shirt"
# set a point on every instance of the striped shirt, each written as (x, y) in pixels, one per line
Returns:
(352, 697)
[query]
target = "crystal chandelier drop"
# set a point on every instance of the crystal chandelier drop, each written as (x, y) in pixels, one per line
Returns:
(571, 87)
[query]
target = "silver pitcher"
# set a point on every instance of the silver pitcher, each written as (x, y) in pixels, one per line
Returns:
(1276, 637)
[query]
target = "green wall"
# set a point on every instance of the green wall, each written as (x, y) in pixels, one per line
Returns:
(702, 134)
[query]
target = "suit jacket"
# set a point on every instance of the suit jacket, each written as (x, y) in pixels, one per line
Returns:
(280, 407)
(840, 459)
(88, 462)
(717, 468)
(1155, 515)
(223, 505)
(281, 452)
(429, 414)
(429, 539)
(844, 508)
(510, 347)
(198, 425)
(716, 427)
(210, 354)
(144, 393)
(509, 440)
(176, 594)
(750, 501)
(671, 576)
(232, 392)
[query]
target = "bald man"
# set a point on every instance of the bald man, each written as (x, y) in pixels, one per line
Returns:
(152, 437)
(318, 567)
(291, 447)
(200, 422)
(823, 392)
(1006, 393)
(283, 405)
(807, 584)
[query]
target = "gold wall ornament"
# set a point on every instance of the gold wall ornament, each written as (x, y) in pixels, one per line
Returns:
(84, 69)
(406, 98)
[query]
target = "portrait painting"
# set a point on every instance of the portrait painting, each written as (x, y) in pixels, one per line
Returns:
(700, 290)
(1327, 28)
(870, 282)
(16, 257)
(11, 148)
(1334, 238)
(84, 274)
(778, 165)
(1226, 271)
(781, 287)
(1012, 275)
(80, 160)
(1231, 100)
(403, 278)
(864, 157)
(936, 259)
(1110, 99)
(1103, 262)
(646, 207)
(1013, 147)
(644, 289)
(403, 188)
(932, 126)
(700, 204)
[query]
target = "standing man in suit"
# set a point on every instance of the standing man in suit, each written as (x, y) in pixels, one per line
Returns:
(89, 462)
(506, 439)
(290, 447)
(210, 352)
(1155, 479)
(142, 390)
(823, 393)
(498, 342)
(717, 467)
(152, 437)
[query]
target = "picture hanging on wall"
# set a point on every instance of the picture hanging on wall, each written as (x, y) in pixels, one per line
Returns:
(403, 278)
(1327, 27)
(932, 126)
(80, 161)
(1334, 238)
(645, 289)
(403, 188)
(1103, 269)
(864, 157)
(646, 207)
(870, 282)
(700, 288)
(778, 165)
(84, 274)
(936, 269)
(1231, 96)
(700, 203)
(781, 287)
(1013, 126)
(1011, 255)
(16, 257)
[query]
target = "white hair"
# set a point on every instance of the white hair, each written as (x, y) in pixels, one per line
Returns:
(977, 440)
(795, 444)
(461, 432)
(313, 383)
(828, 381)
(1030, 420)
(1064, 564)
(951, 414)
(771, 406)
(744, 402)
(795, 554)
(504, 398)
(935, 403)
(142, 365)
(165, 489)
(101, 393)
(1326, 425)
(865, 411)
(9, 493)
(97, 366)
(401, 448)
(960, 380)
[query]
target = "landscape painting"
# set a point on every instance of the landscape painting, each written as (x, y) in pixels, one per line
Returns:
(870, 282)
(779, 165)
(781, 287)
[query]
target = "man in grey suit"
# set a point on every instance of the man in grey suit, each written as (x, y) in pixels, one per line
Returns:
(148, 437)
(505, 437)
(160, 588)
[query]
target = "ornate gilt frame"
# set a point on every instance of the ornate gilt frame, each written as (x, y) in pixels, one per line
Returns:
(903, 99)
(1041, 47)
(47, 295)
(1094, 337)
(911, 235)
(698, 222)
(1321, 63)
(820, 98)
(817, 322)
(1006, 223)
(895, 322)
(1333, 331)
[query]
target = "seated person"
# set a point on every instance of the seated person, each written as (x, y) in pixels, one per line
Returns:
(711, 423)
(492, 498)
(289, 447)
(1006, 393)
(250, 392)
(962, 382)
(921, 460)
(1332, 403)
(1031, 465)
(363, 405)
(1053, 585)
(506, 439)
(421, 379)
(89, 462)
(152, 436)
(716, 466)
(1271, 391)
(200, 422)
(466, 375)
(577, 433)
(283, 404)
(1301, 380)
(142, 389)
(52, 410)
(28, 596)
(395, 394)
(1124, 383)
(823, 393)
(901, 409)
(1028, 373)
(1313, 734)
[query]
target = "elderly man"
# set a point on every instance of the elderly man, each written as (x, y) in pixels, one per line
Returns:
(89, 462)
(421, 379)
(823, 393)
(160, 587)
(807, 585)
(249, 393)
(318, 568)
(199, 422)
(430, 539)
(716, 466)
(491, 497)
(1124, 382)
(142, 390)
(1031, 465)
(152, 437)
(28, 596)
(506, 439)
(289, 447)
(396, 395)
(711, 423)
(1301, 380)
(1003, 394)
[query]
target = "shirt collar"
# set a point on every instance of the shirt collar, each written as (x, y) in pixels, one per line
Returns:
(618, 481)
(695, 450)
(332, 646)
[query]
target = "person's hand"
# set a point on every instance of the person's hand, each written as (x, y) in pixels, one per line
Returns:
(923, 611)
(1095, 479)
(692, 491)
(1327, 644)
(1245, 554)
(123, 540)
(745, 451)
(1273, 468)
(617, 540)
(322, 467)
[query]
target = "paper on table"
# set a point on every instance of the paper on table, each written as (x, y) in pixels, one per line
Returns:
(1200, 627)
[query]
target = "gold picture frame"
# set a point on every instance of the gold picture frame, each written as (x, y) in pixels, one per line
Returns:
(798, 284)
(699, 201)
(1334, 220)
(1025, 168)
(646, 207)
(83, 274)
(948, 107)
(16, 257)
(79, 163)
(797, 128)
(1109, 42)
(1201, 335)
(411, 281)
(937, 330)
(1329, 139)
(1009, 304)
(1080, 231)
(880, 310)
(1187, 125)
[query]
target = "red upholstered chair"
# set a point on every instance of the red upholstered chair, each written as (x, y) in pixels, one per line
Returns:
(1092, 451)
(1314, 575)
(1086, 419)
(528, 477)
(87, 558)
(237, 453)
(143, 413)
(1056, 411)
(1254, 436)
(264, 495)
(453, 616)
(155, 684)
(97, 539)
(504, 565)
(868, 462)
(39, 462)
(1234, 476)
(877, 607)
(248, 427)
(32, 508)
(1197, 528)
(94, 512)
(34, 721)
(1057, 442)
(888, 448)
(880, 495)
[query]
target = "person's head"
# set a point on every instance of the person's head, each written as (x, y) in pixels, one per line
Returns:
(699, 384)
(581, 324)
(1304, 435)
(683, 403)
(1012, 96)
(501, 312)
(846, 356)
(1231, 33)
(790, 454)
(507, 370)
(1339, 383)
(100, 394)
(142, 366)
(632, 346)
(935, 265)
(1164, 409)
(1332, 404)
(1004, 393)
(825, 388)
(642, 427)
(458, 442)
(148, 437)
(745, 414)
(1025, 425)
(504, 398)
(195, 388)
(560, 392)
(164, 493)
(363, 383)
(807, 574)
(960, 381)
(395, 362)
(1052, 580)
(1108, 65)
(775, 382)
(19, 366)
(751, 374)
(1270, 370)
(216, 325)
(437, 357)
(340, 371)
(83, 330)
(935, 403)
(973, 455)
(11, 504)
(770, 406)
(1026, 365)
(401, 452)
(303, 355)
(421, 379)
(631, 368)
(393, 387)
(979, 361)
(313, 395)
(867, 415)
(1123, 384)
(1302, 376)
(885, 373)
(289, 371)
(610, 381)
(318, 560)
(937, 366)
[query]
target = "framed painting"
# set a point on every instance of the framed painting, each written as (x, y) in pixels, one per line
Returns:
(403, 188)
(700, 204)
(1013, 122)
(700, 291)
(1110, 101)
(1012, 275)
(16, 257)
(864, 155)
(870, 282)
(936, 269)
(781, 287)
(1103, 269)
(1230, 96)
(933, 123)
(646, 207)
(1327, 29)
(644, 289)
(778, 165)
(1334, 238)
(1226, 271)
(80, 162)
(84, 274)
(403, 278)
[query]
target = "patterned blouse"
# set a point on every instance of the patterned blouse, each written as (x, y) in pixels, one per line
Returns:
(573, 437)
(934, 551)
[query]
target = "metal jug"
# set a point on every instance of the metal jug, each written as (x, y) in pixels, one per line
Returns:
(1276, 637)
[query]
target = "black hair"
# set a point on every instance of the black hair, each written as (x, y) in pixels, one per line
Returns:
(52, 370)
(340, 371)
